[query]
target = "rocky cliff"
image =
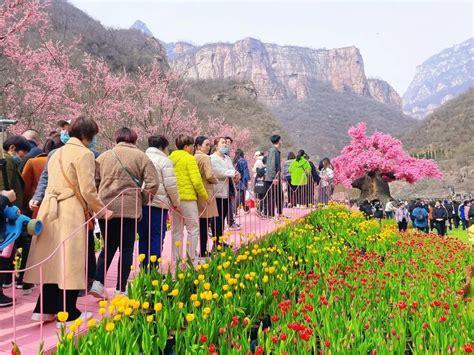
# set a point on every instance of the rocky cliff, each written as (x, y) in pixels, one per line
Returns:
(382, 91)
(440, 78)
(279, 72)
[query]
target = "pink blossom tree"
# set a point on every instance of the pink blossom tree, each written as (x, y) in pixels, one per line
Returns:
(369, 163)
(157, 104)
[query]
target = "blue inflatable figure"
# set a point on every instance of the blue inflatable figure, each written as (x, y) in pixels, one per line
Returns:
(16, 224)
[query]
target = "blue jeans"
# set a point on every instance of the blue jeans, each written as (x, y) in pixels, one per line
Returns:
(152, 231)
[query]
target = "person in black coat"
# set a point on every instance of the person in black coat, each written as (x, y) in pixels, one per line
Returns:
(451, 212)
(440, 215)
(366, 209)
(456, 218)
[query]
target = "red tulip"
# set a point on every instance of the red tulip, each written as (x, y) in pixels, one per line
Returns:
(283, 336)
(259, 350)
(212, 348)
(203, 339)
(274, 339)
(327, 343)
(468, 348)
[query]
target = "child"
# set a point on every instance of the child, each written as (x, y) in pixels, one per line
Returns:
(5, 198)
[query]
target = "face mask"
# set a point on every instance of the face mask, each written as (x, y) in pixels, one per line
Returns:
(92, 144)
(224, 150)
(64, 137)
(16, 159)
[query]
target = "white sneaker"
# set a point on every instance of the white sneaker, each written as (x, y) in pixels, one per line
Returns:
(85, 316)
(234, 227)
(36, 317)
(97, 290)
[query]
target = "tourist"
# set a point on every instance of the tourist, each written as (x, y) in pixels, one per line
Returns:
(207, 208)
(313, 180)
(121, 171)
(224, 172)
(63, 126)
(299, 171)
(232, 192)
(470, 214)
(326, 184)
(440, 216)
(420, 217)
(456, 218)
(15, 149)
(274, 193)
(389, 209)
(241, 166)
(287, 176)
(449, 206)
(402, 216)
(431, 222)
(39, 194)
(258, 156)
(6, 197)
(33, 137)
(462, 214)
(70, 194)
(366, 209)
(190, 189)
(152, 227)
(259, 189)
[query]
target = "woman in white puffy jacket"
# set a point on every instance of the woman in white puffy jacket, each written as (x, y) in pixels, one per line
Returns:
(152, 227)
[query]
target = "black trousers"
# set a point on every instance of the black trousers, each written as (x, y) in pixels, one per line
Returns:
(218, 222)
(53, 301)
(204, 224)
(91, 262)
(240, 201)
(402, 226)
(273, 198)
(456, 222)
(24, 242)
(440, 227)
(113, 243)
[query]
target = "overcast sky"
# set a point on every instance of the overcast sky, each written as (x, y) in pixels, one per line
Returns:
(393, 37)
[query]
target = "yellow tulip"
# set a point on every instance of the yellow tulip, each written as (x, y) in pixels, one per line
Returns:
(180, 305)
(165, 287)
(194, 297)
(91, 322)
(207, 286)
(141, 257)
(69, 336)
(206, 310)
(174, 293)
(180, 276)
(190, 317)
(158, 306)
(109, 327)
(128, 311)
(149, 318)
(153, 258)
(154, 283)
(63, 316)
(178, 244)
(102, 310)
(196, 304)
(103, 304)
(145, 305)
(117, 317)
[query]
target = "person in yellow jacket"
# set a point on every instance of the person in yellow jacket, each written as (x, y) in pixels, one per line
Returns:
(190, 188)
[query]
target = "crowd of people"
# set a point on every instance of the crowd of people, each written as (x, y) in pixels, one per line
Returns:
(67, 184)
(426, 216)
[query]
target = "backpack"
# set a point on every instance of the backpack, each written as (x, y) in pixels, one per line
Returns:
(419, 216)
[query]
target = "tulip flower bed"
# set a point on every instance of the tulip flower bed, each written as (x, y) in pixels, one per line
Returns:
(333, 283)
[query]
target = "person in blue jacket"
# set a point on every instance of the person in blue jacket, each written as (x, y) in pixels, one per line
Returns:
(242, 167)
(420, 217)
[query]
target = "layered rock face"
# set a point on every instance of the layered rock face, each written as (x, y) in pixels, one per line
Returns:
(382, 91)
(279, 72)
(440, 78)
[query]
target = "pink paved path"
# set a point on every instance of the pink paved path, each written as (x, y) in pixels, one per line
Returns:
(29, 334)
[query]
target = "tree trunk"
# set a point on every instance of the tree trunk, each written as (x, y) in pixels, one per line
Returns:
(372, 187)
